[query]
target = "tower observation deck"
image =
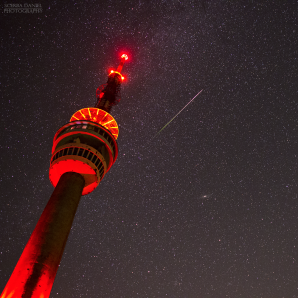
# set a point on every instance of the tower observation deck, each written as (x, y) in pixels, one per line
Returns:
(83, 151)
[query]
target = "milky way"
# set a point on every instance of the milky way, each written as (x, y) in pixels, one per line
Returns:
(148, 230)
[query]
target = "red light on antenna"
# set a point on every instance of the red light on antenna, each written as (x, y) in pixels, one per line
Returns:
(124, 56)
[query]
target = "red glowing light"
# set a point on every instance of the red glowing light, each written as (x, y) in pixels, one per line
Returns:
(64, 165)
(117, 72)
(98, 116)
(124, 56)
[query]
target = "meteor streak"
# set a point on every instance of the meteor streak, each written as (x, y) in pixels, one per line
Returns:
(176, 115)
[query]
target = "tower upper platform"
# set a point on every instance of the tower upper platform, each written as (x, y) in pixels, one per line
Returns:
(98, 116)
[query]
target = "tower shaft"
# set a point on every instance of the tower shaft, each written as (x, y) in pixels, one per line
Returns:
(83, 152)
(36, 269)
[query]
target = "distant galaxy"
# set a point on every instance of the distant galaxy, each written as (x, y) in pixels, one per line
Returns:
(206, 196)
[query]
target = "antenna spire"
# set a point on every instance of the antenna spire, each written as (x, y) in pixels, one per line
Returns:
(109, 94)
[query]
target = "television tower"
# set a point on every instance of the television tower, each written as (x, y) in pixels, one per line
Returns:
(83, 151)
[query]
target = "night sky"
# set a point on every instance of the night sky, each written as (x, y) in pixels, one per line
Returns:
(207, 208)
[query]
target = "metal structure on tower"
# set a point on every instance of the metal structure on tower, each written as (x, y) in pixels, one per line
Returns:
(108, 94)
(83, 151)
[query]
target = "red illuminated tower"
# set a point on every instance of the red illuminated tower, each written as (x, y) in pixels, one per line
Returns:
(83, 151)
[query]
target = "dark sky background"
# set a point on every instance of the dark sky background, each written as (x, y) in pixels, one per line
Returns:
(209, 207)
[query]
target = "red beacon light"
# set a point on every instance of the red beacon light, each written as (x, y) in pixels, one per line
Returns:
(116, 72)
(124, 57)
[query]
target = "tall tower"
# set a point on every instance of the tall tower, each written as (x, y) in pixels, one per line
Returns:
(83, 151)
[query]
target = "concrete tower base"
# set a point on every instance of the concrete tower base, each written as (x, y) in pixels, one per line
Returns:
(36, 269)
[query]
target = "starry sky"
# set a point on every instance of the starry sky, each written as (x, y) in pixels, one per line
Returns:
(207, 208)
